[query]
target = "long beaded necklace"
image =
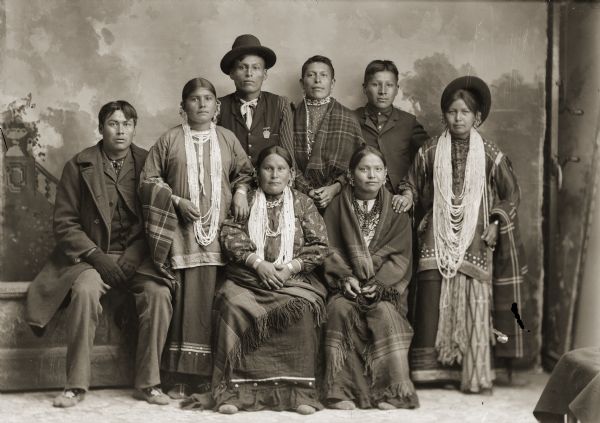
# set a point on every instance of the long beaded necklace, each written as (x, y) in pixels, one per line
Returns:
(309, 134)
(258, 225)
(455, 216)
(195, 173)
(274, 233)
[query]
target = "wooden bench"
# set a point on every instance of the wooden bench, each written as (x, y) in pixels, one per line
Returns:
(28, 362)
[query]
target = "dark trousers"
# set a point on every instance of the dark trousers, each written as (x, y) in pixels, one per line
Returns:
(154, 310)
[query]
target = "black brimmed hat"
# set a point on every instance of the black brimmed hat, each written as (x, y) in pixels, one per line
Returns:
(247, 44)
(475, 86)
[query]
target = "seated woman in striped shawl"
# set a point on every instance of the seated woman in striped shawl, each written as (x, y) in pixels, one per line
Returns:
(269, 308)
(368, 270)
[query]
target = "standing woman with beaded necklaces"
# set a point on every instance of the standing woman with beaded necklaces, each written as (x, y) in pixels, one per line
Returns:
(186, 189)
(471, 260)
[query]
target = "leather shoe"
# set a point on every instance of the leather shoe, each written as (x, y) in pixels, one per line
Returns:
(152, 395)
(69, 398)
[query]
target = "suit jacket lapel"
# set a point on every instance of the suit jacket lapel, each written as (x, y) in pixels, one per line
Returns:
(391, 122)
(365, 120)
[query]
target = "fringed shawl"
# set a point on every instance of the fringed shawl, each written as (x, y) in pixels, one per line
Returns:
(383, 326)
(388, 257)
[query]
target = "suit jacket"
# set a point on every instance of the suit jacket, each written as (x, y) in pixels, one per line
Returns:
(399, 140)
(82, 221)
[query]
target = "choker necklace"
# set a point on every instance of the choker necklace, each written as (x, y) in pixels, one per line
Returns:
(317, 102)
(275, 203)
(309, 102)
(367, 220)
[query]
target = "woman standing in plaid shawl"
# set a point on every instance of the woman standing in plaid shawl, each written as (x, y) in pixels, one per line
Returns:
(325, 134)
(186, 191)
(368, 270)
(268, 310)
(470, 255)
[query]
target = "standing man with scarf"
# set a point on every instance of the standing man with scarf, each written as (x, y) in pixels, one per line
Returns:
(259, 119)
(326, 134)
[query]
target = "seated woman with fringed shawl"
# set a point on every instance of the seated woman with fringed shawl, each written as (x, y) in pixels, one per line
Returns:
(268, 311)
(470, 268)
(367, 334)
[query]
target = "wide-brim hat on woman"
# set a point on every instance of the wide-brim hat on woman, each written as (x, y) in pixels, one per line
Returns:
(475, 86)
(247, 44)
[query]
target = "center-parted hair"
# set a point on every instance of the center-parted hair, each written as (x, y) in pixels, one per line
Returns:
(108, 109)
(318, 59)
(470, 100)
(380, 66)
(274, 149)
(361, 152)
(193, 84)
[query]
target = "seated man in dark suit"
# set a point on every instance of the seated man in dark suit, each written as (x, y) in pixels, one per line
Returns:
(101, 246)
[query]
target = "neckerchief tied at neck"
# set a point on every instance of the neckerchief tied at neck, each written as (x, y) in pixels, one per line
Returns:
(247, 110)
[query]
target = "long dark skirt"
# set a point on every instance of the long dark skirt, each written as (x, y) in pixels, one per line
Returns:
(190, 335)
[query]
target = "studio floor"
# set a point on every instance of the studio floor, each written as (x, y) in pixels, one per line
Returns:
(507, 404)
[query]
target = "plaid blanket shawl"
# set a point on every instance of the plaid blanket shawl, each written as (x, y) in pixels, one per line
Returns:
(160, 221)
(509, 270)
(386, 260)
(338, 136)
(383, 328)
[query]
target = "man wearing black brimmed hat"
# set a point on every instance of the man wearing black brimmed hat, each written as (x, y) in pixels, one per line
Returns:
(259, 119)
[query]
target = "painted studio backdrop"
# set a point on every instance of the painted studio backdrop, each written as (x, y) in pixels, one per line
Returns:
(60, 61)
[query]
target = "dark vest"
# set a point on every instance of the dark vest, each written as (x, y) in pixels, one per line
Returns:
(121, 192)
(266, 122)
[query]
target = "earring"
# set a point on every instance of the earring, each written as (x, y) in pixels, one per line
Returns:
(183, 115)
(215, 117)
(351, 181)
(477, 123)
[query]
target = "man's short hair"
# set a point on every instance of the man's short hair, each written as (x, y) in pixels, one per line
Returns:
(109, 108)
(380, 66)
(318, 59)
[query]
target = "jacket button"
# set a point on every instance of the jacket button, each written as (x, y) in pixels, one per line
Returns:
(96, 221)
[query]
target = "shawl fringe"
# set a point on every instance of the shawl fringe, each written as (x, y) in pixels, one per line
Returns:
(272, 322)
(339, 354)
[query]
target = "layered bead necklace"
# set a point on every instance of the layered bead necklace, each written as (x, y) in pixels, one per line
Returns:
(455, 217)
(258, 225)
(195, 174)
(309, 133)
(271, 205)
